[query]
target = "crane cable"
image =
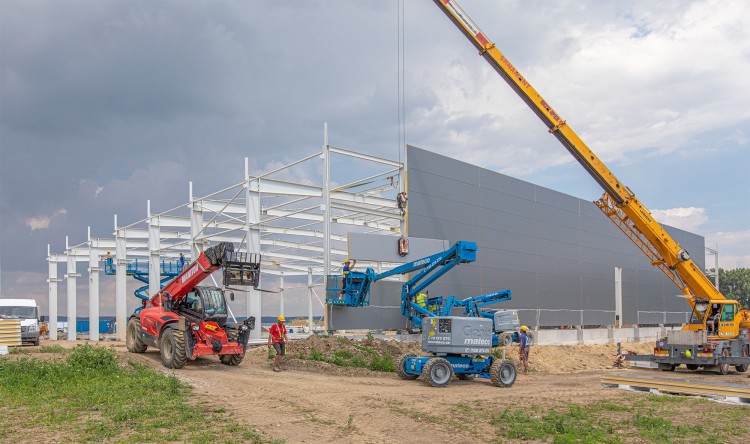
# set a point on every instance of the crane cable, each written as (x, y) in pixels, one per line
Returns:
(401, 82)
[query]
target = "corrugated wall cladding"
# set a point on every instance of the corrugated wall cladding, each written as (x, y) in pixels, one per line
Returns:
(552, 250)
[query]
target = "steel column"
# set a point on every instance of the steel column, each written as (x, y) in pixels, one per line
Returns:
(326, 213)
(120, 282)
(53, 280)
(252, 242)
(310, 299)
(154, 267)
(71, 276)
(93, 289)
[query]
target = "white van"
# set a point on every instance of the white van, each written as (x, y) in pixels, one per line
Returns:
(28, 312)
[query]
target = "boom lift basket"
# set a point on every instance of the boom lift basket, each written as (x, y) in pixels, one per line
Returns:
(241, 268)
(352, 287)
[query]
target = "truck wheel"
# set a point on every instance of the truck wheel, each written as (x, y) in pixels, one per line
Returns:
(692, 366)
(36, 342)
(438, 372)
(172, 348)
(133, 337)
(465, 376)
(723, 368)
(401, 368)
(742, 368)
(503, 373)
(666, 367)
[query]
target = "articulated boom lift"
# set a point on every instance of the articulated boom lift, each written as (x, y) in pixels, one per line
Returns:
(356, 288)
(185, 320)
(459, 345)
(727, 344)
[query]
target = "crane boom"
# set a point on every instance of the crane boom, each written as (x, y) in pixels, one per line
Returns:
(618, 203)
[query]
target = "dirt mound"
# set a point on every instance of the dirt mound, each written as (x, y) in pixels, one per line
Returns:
(558, 359)
(328, 345)
(322, 353)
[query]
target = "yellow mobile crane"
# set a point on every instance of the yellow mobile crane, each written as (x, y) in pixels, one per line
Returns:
(718, 331)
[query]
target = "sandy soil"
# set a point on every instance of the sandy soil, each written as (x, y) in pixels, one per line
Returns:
(312, 401)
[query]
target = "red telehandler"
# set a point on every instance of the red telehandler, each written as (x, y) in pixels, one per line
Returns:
(185, 320)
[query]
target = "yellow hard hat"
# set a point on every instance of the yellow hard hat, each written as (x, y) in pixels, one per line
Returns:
(524, 328)
(107, 251)
(347, 261)
(281, 318)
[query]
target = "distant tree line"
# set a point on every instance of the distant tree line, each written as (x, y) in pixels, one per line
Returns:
(735, 284)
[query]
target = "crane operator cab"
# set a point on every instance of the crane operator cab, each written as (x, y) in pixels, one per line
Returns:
(717, 317)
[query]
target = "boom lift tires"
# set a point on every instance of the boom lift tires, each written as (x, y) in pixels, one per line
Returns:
(503, 373)
(133, 340)
(465, 377)
(666, 367)
(401, 368)
(438, 372)
(692, 366)
(172, 348)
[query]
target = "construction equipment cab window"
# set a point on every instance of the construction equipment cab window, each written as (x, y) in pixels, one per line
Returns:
(193, 302)
(213, 298)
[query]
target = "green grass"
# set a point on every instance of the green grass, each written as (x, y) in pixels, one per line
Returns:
(653, 419)
(90, 397)
(51, 349)
(362, 357)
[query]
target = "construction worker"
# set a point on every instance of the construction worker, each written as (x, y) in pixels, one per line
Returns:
(421, 300)
(182, 261)
(523, 348)
(43, 330)
(348, 265)
(277, 336)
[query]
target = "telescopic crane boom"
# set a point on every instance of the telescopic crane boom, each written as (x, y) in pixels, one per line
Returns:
(618, 203)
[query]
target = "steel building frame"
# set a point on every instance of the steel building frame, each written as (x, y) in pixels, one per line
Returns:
(299, 228)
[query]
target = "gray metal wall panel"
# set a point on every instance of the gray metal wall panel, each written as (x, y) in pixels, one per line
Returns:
(435, 164)
(380, 247)
(505, 203)
(557, 216)
(556, 253)
(490, 180)
(556, 199)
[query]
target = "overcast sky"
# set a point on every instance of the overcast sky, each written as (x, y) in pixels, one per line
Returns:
(104, 104)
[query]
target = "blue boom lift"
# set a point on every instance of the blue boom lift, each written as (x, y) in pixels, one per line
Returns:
(353, 290)
(458, 344)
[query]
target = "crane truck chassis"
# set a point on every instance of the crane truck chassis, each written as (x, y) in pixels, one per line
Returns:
(185, 321)
(728, 344)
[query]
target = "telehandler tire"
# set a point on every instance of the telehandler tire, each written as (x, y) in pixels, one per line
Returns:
(438, 372)
(133, 340)
(233, 360)
(503, 373)
(401, 368)
(172, 348)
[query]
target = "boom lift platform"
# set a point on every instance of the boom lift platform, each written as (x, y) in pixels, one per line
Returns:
(139, 269)
(185, 320)
(718, 342)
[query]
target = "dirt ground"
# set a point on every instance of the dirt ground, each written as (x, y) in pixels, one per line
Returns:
(312, 401)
